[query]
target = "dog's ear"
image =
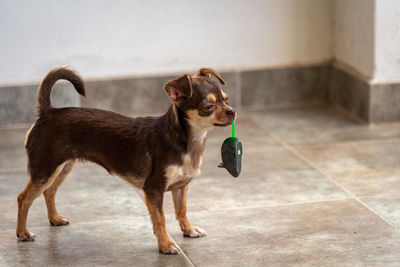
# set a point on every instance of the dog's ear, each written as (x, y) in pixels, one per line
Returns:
(180, 88)
(208, 72)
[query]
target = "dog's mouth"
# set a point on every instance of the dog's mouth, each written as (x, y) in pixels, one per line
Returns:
(222, 124)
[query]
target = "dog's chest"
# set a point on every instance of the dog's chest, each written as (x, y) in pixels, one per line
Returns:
(181, 174)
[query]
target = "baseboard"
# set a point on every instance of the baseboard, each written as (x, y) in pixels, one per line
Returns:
(18, 103)
(250, 89)
(371, 102)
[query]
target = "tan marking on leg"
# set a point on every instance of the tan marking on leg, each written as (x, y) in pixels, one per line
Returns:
(25, 200)
(211, 98)
(179, 197)
(155, 206)
(50, 195)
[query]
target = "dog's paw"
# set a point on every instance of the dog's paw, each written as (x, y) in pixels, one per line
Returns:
(26, 236)
(59, 220)
(171, 249)
(195, 232)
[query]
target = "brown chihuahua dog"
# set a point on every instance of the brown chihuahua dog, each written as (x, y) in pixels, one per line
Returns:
(156, 154)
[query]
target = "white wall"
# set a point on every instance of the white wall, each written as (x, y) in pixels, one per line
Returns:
(387, 41)
(354, 34)
(107, 38)
(367, 38)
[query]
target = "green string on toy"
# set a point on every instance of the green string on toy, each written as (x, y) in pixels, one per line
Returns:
(233, 129)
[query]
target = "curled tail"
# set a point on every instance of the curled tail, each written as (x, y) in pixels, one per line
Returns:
(58, 73)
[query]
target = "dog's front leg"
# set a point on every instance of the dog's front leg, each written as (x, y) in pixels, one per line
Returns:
(154, 202)
(179, 197)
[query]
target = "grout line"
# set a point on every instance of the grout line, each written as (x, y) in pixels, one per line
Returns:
(303, 158)
(176, 243)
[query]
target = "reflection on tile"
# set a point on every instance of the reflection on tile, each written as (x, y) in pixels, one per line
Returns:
(320, 234)
(120, 242)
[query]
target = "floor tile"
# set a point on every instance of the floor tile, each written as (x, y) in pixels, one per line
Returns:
(280, 211)
(270, 176)
(320, 234)
(12, 149)
(387, 206)
(88, 194)
(122, 242)
(365, 168)
(368, 169)
(318, 125)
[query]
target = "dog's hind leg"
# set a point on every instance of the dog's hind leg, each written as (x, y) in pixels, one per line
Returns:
(50, 195)
(32, 190)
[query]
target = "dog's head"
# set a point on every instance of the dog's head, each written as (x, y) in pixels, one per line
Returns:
(202, 99)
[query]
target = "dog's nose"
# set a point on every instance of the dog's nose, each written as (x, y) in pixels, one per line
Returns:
(231, 113)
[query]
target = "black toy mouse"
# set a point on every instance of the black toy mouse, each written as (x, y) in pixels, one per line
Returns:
(231, 154)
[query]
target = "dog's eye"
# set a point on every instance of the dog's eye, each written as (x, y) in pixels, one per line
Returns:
(209, 107)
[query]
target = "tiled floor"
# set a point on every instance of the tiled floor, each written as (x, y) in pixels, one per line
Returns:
(316, 189)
